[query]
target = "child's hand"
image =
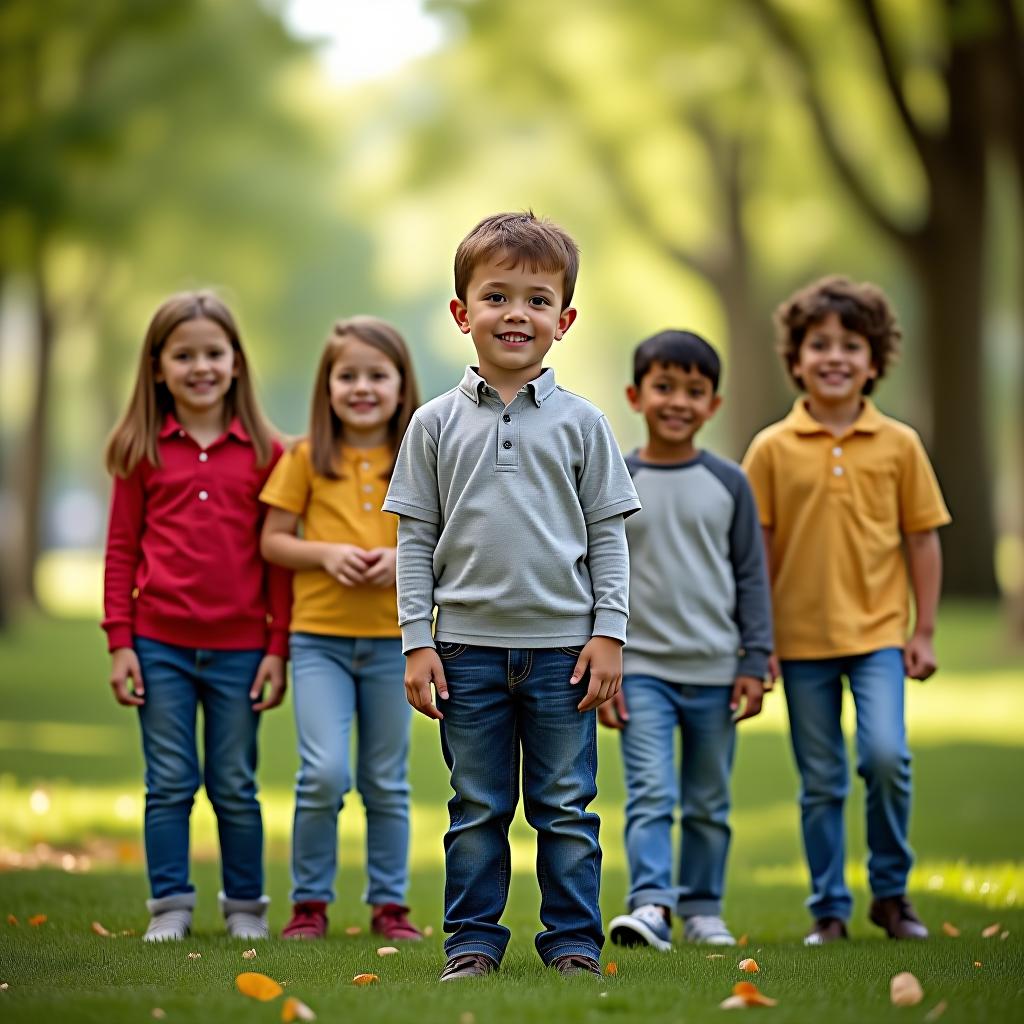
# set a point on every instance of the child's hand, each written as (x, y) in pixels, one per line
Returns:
(125, 666)
(919, 657)
(381, 572)
(603, 657)
(774, 673)
(423, 667)
(270, 671)
(346, 563)
(613, 713)
(749, 690)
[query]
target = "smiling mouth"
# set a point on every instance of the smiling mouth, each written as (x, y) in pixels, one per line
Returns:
(514, 338)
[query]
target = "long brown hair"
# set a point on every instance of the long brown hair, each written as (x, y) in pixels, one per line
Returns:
(136, 435)
(325, 429)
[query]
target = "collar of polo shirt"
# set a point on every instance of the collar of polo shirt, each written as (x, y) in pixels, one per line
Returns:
(540, 388)
(868, 422)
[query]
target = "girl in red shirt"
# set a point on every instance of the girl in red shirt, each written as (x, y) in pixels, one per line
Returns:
(193, 614)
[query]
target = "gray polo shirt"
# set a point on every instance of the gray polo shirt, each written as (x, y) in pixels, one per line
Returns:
(511, 519)
(699, 602)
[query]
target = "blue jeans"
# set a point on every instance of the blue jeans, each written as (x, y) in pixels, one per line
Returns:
(814, 695)
(177, 680)
(656, 709)
(503, 705)
(340, 681)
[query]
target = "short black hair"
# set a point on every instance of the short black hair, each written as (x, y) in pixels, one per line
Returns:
(684, 349)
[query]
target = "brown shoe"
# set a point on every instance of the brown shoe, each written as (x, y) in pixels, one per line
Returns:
(467, 965)
(825, 930)
(897, 916)
(575, 963)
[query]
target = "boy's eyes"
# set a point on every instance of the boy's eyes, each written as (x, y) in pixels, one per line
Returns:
(539, 300)
(534, 300)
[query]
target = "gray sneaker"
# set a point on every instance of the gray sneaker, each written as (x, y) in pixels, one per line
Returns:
(707, 930)
(170, 917)
(245, 919)
(645, 926)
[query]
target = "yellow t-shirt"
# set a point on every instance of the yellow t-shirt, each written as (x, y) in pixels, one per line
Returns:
(343, 511)
(838, 508)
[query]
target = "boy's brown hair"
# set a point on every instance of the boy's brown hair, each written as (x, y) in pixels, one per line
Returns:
(862, 308)
(527, 240)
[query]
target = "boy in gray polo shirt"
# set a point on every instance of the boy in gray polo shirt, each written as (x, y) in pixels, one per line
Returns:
(512, 497)
(700, 634)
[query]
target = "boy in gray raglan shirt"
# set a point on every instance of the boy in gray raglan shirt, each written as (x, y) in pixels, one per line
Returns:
(512, 496)
(700, 635)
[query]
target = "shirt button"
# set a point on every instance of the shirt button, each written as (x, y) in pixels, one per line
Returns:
(203, 456)
(367, 507)
(837, 451)
(837, 470)
(203, 495)
(367, 488)
(507, 418)
(506, 444)
(364, 465)
(181, 433)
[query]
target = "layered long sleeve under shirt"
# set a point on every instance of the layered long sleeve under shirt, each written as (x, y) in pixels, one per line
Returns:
(511, 519)
(699, 603)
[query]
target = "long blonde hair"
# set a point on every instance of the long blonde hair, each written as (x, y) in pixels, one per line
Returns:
(325, 429)
(136, 435)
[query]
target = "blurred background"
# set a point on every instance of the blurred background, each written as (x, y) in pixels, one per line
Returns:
(312, 160)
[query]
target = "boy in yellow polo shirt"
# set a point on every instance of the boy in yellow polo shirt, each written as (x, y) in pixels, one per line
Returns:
(848, 502)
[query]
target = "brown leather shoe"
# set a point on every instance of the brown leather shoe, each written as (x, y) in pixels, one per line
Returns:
(897, 916)
(826, 929)
(468, 965)
(576, 963)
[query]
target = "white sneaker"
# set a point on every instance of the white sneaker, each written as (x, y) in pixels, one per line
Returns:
(707, 930)
(245, 919)
(171, 917)
(645, 926)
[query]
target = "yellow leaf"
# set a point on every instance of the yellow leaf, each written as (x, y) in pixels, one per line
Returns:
(467, 1017)
(98, 929)
(12, 920)
(353, 929)
(749, 965)
(977, 963)
(387, 951)
(742, 940)
(986, 933)
(950, 929)
(249, 954)
(37, 919)
(258, 986)
(715, 956)
(157, 1014)
(1005, 935)
(195, 956)
(365, 979)
(611, 968)
(294, 1009)
(936, 1011)
(429, 930)
(905, 990)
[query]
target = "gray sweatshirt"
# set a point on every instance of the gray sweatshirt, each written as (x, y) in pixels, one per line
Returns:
(699, 603)
(511, 519)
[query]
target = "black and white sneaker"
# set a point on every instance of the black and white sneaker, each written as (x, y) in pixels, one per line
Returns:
(648, 925)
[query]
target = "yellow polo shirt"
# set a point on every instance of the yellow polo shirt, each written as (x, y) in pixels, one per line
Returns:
(344, 511)
(838, 508)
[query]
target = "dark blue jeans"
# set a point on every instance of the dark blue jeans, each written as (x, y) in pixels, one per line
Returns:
(178, 680)
(503, 706)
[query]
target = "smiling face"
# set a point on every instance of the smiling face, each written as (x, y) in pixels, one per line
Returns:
(198, 366)
(515, 315)
(675, 403)
(364, 388)
(833, 364)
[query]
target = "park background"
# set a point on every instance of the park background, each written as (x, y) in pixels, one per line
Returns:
(315, 160)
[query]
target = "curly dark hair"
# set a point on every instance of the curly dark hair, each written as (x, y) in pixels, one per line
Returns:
(862, 307)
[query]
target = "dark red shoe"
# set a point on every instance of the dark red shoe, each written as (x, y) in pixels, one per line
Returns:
(309, 921)
(392, 921)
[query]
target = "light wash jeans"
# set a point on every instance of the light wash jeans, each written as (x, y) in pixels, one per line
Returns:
(656, 709)
(178, 680)
(505, 706)
(814, 695)
(338, 682)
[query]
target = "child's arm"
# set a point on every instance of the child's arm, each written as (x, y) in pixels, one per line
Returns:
(768, 535)
(280, 546)
(924, 559)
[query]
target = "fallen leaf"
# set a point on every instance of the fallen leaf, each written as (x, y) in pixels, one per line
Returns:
(295, 1009)
(950, 929)
(249, 954)
(4, 987)
(977, 963)
(157, 1014)
(365, 979)
(429, 930)
(258, 986)
(37, 919)
(12, 920)
(98, 929)
(749, 965)
(467, 1018)
(611, 968)
(986, 933)
(1005, 935)
(715, 956)
(905, 990)
(752, 995)
(742, 940)
(387, 950)
(733, 1003)
(353, 929)
(195, 956)
(936, 1011)
(128, 931)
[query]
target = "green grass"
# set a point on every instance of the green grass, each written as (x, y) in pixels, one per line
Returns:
(70, 794)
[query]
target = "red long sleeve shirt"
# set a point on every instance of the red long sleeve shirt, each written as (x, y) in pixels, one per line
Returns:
(183, 563)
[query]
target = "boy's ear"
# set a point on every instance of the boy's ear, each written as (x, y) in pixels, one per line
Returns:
(460, 314)
(565, 321)
(716, 404)
(633, 397)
